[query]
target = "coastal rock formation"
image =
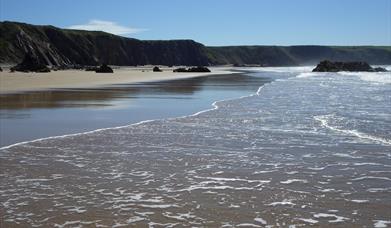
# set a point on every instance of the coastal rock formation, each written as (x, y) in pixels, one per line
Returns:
(31, 63)
(91, 68)
(198, 69)
(328, 66)
(61, 47)
(380, 69)
(180, 70)
(192, 69)
(55, 46)
(104, 69)
(157, 69)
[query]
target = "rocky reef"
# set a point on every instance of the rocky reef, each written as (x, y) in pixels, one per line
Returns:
(328, 66)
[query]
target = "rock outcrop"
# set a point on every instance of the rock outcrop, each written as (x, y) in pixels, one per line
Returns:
(104, 69)
(192, 69)
(380, 69)
(31, 63)
(156, 69)
(91, 68)
(180, 70)
(328, 66)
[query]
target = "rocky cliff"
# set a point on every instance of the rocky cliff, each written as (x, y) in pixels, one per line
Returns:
(62, 46)
(297, 55)
(56, 46)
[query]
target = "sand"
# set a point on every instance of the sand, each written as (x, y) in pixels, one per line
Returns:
(22, 82)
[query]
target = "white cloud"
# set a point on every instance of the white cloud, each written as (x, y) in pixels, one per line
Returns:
(107, 26)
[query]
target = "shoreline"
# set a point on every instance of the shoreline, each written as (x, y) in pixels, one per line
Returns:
(214, 106)
(203, 103)
(19, 82)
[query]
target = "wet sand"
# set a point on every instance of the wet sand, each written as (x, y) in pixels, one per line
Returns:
(20, 82)
(38, 114)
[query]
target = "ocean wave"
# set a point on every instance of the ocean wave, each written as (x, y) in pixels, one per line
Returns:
(307, 74)
(324, 121)
(377, 77)
(285, 69)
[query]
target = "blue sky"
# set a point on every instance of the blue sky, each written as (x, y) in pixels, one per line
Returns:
(218, 22)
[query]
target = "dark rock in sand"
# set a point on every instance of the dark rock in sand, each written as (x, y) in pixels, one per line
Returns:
(104, 69)
(1, 69)
(91, 68)
(238, 65)
(380, 69)
(180, 70)
(328, 66)
(192, 69)
(157, 69)
(198, 69)
(31, 63)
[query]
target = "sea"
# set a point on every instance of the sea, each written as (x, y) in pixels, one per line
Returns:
(298, 149)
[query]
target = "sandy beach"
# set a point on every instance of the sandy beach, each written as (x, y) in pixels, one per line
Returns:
(21, 82)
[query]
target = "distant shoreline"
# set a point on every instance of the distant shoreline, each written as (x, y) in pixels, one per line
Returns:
(19, 82)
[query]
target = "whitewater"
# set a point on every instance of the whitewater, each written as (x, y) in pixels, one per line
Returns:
(306, 149)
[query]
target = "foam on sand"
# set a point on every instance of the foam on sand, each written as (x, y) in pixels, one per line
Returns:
(381, 223)
(311, 221)
(335, 220)
(282, 203)
(290, 181)
(260, 220)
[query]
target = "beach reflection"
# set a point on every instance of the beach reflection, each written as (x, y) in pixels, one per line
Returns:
(104, 96)
(32, 115)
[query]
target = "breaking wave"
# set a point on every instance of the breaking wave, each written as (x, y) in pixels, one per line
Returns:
(324, 121)
(377, 77)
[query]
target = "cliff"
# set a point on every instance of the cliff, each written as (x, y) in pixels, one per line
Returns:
(297, 55)
(56, 46)
(63, 46)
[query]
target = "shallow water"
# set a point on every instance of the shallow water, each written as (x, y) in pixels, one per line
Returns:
(34, 115)
(306, 149)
